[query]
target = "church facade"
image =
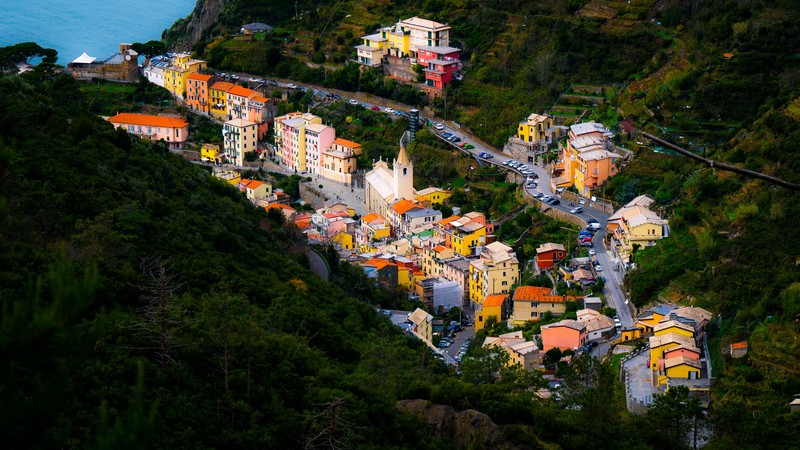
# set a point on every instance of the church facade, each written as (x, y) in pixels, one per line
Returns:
(384, 185)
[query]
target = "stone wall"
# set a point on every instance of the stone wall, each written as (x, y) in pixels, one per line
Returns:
(311, 195)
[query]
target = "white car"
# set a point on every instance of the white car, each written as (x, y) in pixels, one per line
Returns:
(592, 252)
(291, 86)
(439, 126)
(353, 101)
(389, 110)
(598, 268)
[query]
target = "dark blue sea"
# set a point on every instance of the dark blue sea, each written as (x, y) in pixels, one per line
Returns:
(96, 27)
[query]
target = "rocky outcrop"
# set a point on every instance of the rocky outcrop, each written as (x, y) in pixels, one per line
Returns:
(185, 33)
(465, 429)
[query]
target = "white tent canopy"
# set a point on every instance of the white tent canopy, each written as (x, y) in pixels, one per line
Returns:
(84, 59)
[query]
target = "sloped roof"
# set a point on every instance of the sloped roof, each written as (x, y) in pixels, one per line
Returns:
(381, 179)
(240, 123)
(84, 59)
(419, 315)
(403, 206)
(568, 323)
(424, 23)
(279, 206)
(447, 220)
(241, 91)
(222, 86)
(495, 299)
(672, 323)
(148, 120)
(672, 338)
(699, 315)
(199, 76)
(680, 360)
(549, 246)
(346, 143)
(431, 190)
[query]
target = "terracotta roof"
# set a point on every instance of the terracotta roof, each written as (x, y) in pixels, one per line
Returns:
(495, 299)
(151, 121)
(739, 345)
(370, 217)
(378, 263)
(199, 76)
(254, 184)
(439, 248)
(346, 143)
(259, 98)
(539, 294)
(222, 86)
(403, 206)
(242, 91)
(278, 205)
(448, 220)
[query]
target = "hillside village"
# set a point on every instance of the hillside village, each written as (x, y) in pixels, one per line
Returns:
(454, 263)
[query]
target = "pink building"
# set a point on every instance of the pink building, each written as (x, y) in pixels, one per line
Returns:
(250, 105)
(319, 138)
(173, 130)
(566, 335)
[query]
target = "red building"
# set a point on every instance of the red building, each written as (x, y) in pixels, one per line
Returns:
(547, 255)
(439, 64)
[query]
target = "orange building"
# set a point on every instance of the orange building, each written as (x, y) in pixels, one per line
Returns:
(566, 335)
(549, 254)
(173, 130)
(197, 92)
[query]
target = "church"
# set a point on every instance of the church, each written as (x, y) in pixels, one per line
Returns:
(384, 186)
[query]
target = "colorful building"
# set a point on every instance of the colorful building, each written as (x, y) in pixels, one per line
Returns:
(218, 99)
(239, 137)
(535, 129)
(176, 74)
(243, 103)
(198, 87)
(549, 254)
(290, 138)
(494, 272)
(495, 305)
(565, 335)
(173, 130)
(531, 303)
(255, 190)
(636, 224)
(384, 186)
(422, 324)
(433, 195)
(588, 160)
(433, 258)
(344, 240)
(211, 152)
(319, 138)
(339, 161)
(465, 235)
(521, 352)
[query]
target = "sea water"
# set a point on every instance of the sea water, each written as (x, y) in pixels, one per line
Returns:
(96, 27)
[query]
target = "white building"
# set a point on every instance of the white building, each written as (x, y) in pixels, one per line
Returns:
(239, 136)
(383, 186)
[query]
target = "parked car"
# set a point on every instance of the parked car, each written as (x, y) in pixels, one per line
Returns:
(538, 195)
(388, 110)
(291, 86)
(446, 135)
(375, 108)
(469, 146)
(353, 102)
(592, 252)
(439, 126)
(272, 82)
(598, 268)
(577, 210)
(507, 162)
(555, 201)
(591, 221)
(455, 139)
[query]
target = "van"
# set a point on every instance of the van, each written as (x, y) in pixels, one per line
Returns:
(593, 226)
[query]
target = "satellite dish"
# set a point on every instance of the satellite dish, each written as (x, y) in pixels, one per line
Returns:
(127, 57)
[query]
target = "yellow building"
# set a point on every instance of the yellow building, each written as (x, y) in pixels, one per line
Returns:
(432, 195)
(344, 240)
(492, 306)
(531, 303)
(660, 344)
(636, 224)
(494, 272)
(649, 318)
(176, 73)
(422, 324)
(463, 234)
(406, 278)
(210, 152)
(521, 352)
(433, 259)
(231, 176)
(218, 100)
(673, 326)
(239, 137)
(534, 128)
(683, 367)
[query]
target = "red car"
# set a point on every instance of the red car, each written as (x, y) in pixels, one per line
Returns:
(375, 108)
